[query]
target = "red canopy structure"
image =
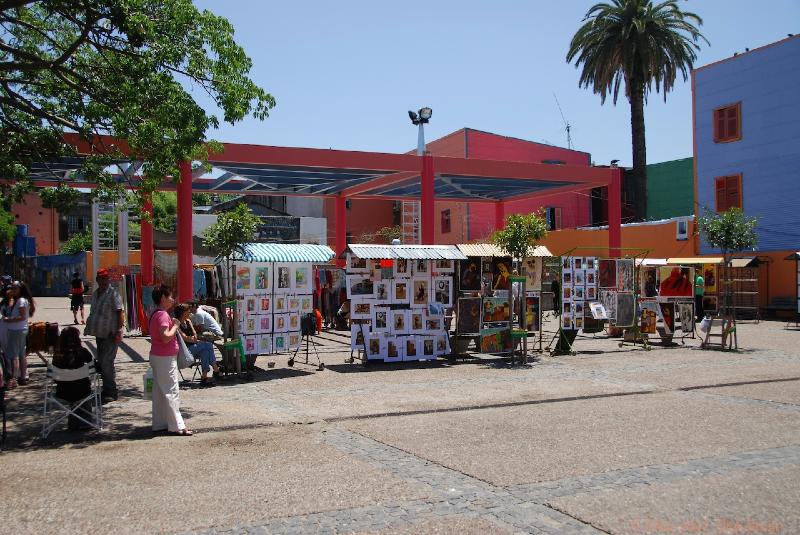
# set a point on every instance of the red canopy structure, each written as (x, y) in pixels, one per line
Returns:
(286, 171)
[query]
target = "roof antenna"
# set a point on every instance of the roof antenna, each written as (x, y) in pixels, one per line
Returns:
(567, 126)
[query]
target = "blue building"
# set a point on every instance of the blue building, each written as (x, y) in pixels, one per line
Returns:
(746, 116)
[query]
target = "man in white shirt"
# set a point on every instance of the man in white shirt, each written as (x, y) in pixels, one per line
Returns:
(204, 321)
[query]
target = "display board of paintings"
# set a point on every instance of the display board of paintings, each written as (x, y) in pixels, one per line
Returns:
(271, 297)
(401, 310)
(580, 285)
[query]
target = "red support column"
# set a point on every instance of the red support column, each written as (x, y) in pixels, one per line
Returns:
(499, 215)
(185, 252)
(615, 214)
(427, 202)
(341, 225)
(146, 248)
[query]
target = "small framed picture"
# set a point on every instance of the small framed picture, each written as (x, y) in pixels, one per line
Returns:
(279, 342)
(417, 321)
(566, 322)
(443, 290)
(579, 292)
(251, 345)
(401, 268)
(577, 262)
(355, 264)
(281, 303)
(433, 324)
(283, 279)
(302, 279)
(294, 303)
(360, 286)
(411, 349)
(357, 333)
(376, 347)
(591, 293)
(566, 262)
(395, 348)
(442, 344)
(263, 279)
(580, 277)
(265, 324)
(294, 340)
(428, 347)
(306, 303)
(566, 293)
(383, 291)
(380, 320)
(250, 305)
(399, 321)
(265, 344)
(421, 267)
(280, 323)
(361, 309)
(578, 323)
(591, 277)
(566, 278)
(265, 305)
(443, 266)
(401, 291)
(566, 307)
(420, 292)
(243, 278)
(294, 321)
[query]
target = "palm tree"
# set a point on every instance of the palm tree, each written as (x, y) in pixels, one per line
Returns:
(639, 43)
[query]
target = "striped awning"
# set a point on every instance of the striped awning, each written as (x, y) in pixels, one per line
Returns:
(286, 252)
(416, 252)
(490, 249)
(695, 260)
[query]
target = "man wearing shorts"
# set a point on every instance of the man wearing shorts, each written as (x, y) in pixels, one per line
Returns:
(76, 297)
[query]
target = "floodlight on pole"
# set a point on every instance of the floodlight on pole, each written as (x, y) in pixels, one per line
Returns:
(420, 118)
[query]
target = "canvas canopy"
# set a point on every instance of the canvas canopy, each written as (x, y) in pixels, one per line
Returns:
(285, 252)
(415, 252)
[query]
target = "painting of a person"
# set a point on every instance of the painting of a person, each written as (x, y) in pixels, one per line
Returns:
(501, 277)
(470, 276)
(676, 284)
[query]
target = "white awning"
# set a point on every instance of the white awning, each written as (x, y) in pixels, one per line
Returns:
(490, 249)
(415, 252)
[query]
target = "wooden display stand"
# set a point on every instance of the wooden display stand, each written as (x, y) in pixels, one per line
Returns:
(722, 329)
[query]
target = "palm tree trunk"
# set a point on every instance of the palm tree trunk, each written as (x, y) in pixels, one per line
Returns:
(639, 152)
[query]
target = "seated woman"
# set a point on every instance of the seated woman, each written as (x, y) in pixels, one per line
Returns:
(71, 355)
(201, 350)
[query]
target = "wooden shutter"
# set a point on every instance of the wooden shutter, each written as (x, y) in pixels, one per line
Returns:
(720, 194)
(719, 125)
(732, 126)
(733, 188)
(558, 217)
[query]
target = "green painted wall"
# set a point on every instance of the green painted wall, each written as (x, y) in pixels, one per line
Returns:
(670, 189)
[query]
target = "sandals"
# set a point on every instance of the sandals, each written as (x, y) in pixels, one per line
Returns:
(181, 433)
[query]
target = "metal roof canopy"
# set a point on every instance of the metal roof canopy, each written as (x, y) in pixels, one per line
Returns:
(696, 260)
(268, 170)
(492, 250)
(412, 252)
(282, 252)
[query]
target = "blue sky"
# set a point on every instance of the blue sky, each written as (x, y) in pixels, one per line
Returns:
(345, 73)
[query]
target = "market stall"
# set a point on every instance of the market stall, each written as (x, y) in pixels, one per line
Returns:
(274, 287)
(484, 280)
(401, 297)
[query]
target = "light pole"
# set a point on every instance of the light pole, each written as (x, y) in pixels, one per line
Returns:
(420, 118)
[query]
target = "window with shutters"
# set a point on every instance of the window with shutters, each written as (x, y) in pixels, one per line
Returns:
(728, 192)
(553, 216)
(728, 123)
(445, 221)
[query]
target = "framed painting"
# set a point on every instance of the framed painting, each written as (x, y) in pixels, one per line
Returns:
(265, 344)
(250, 305)
(294, 303)
(294, 321)
(420, 268)
(495, 340)
(676, 281)
(354, 264)
(265, 324)
(609, 301)
(376, 347)
(400, 320)
(361, 309)
(428, 347)
(533, 273)
(302, 279)
(279, 342)
(625, 309)
(280, 323)
(250, 325)
(265, 305)
(566, 307)
(501, 271)
(470, 274)
(647, 322)
(579, 293)
(607, 273)
(591, 293)
(686, 315)
(443, 266)
(283, 279)
(420, 295)
(360, 286)
(243, 278)
(710, 278)
(395, 347)
(566, 278)
(577, 262)
(383, 291)
(401, 268)
(710, 303)
(401, 291)
(625, 275)
(306, 303)
(281, 303)
(598, 311)
(294, 340)
(579, 277)
(468, 314)
(668, 315)
(591, 277)
(578, 309)
(357, 333)
(434, 324)
(443, 290)
(566, 293)
(578, 325)
(417, 321)
(251, 345)
(411, 349)
(566, 322)
(380, 320)
(441, 344)
(566, 263)
(262, 278)
(495, 310)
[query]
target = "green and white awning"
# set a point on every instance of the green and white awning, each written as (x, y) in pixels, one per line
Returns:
(285, 252)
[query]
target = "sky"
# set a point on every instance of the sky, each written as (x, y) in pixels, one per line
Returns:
(345, 74)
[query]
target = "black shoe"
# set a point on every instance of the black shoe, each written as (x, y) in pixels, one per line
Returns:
(206, 383)
(108, 398)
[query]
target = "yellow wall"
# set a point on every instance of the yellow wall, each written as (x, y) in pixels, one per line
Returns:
(108, 259)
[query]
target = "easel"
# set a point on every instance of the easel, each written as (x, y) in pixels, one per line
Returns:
(725, 322)
(307, 326)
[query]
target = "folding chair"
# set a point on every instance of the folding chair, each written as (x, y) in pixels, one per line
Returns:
(56, 410)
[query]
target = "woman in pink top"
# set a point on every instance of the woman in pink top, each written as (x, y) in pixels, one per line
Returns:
(163, 361)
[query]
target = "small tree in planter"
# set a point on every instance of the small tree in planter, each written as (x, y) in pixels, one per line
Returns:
(518, 238)
(730, 232)
(227, 238)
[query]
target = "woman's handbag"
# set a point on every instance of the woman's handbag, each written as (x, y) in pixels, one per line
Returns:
(185, 357)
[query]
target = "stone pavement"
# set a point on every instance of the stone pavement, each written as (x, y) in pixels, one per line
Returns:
(611, 440)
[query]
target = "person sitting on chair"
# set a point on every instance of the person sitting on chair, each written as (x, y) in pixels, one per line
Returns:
(199, 349)
(204, 323)
(71, 355)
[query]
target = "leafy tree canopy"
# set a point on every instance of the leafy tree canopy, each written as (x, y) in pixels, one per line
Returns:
(730, 231)
(81, 241)
(520, 234)
(232, 230)
(117, 68)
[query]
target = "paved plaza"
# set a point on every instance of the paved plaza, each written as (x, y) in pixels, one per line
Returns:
(610, 440)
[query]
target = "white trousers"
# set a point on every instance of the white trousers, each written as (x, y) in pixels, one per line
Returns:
(166, 394)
